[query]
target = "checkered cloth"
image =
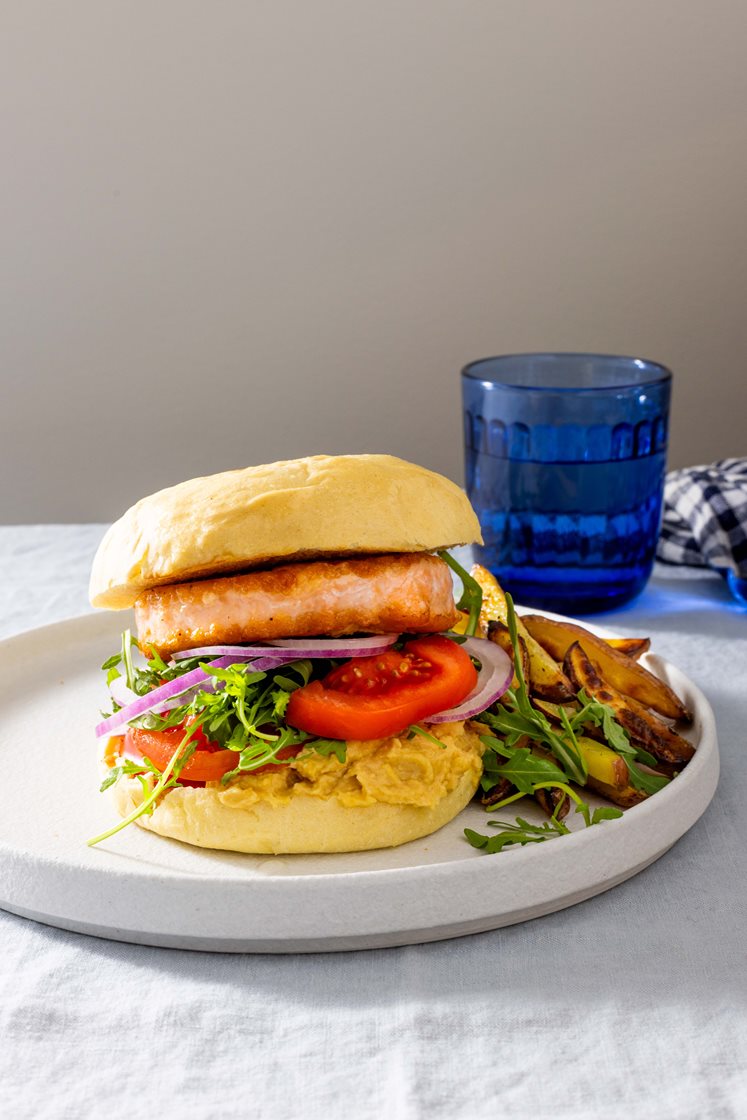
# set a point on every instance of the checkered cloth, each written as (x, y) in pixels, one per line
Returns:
(705, 517)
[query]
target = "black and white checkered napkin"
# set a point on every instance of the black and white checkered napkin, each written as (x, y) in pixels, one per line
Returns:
(705, 517)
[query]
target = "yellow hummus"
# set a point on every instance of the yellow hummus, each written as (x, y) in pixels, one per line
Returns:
(396, 771)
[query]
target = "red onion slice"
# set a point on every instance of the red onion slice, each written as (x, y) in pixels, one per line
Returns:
(238, 653)
(163, 698)
(300, 647)
(493, 679)
(336, 647)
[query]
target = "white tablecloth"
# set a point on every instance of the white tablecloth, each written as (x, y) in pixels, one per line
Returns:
(631, 1005)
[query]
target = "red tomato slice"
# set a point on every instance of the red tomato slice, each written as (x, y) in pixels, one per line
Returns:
(374, 697)
(208, 763)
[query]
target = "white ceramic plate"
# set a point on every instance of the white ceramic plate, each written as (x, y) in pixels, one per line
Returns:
(143, 888)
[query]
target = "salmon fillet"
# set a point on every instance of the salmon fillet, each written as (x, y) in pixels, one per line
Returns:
(407, 592)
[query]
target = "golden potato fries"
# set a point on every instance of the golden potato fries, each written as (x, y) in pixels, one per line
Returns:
(493, 597)
(560, 659)
(631, 647)
(604, 765)
(502, 789)
(622, 672)
(642, 726)
(460, 627)
(553, 802)
(625, 798)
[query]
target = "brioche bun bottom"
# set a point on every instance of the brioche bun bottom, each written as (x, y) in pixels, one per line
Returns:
(317, 815)
(195, 816)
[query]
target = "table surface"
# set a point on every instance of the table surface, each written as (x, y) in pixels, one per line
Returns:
(633, 1004)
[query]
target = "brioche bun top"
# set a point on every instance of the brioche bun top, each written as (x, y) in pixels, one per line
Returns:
(300, 509)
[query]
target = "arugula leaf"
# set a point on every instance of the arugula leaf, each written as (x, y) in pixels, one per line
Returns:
(512, 724)
(414, 730)
(325, 747)
(522, 832)
(167, 778)
(258, 753)
(526, 770)
(303, 667)
(127, 643)
(643, 781)
(471, 598)
(116, 773)
(596, 712)
(157, 663)
(515, 724)
(646, 758)
(280, 702)
(606, 813)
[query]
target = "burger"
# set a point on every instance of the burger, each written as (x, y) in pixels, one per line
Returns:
(301, 679)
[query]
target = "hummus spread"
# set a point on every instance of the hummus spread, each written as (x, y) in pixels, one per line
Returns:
(395, 771)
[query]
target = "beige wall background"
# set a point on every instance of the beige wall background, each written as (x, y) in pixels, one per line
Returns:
(240, 231)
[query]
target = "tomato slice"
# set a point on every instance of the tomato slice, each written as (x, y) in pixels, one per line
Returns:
(374, 697)
(208, 763)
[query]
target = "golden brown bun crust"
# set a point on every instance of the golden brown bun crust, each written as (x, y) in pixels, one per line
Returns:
(331, 810)
(323, 506)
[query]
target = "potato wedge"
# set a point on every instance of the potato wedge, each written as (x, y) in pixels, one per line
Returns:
(642, 726)
(460, 627)
(631, 647)
(546, 678)
(554, 802)
(493, 599)
(664, 743)
(604, 765)
(503, 789)
(552, 711)
(547, 799)
(621, 672)
(625, 798)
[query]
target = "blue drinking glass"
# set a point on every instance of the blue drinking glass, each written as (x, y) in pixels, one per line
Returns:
(565, 464)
